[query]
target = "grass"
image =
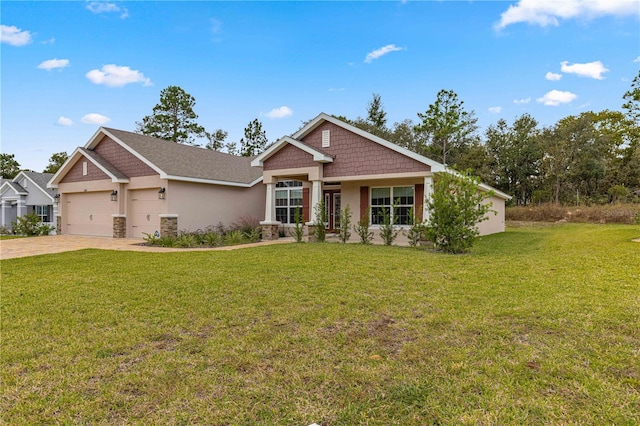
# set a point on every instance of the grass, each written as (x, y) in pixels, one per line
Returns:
(10, 237)
(539, 325)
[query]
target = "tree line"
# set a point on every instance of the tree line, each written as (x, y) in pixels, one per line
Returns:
(593, 157)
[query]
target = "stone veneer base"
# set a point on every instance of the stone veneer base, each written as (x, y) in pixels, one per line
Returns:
(270, 232)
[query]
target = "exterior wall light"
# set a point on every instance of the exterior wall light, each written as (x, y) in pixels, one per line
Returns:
(56, 198)
(114, 195)
(162, 193)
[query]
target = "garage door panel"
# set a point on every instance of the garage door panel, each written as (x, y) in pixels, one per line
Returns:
(89, 213)
(145, 210)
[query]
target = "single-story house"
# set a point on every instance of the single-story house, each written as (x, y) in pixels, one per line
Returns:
(330, 160)
(122, 184)
(28, 193)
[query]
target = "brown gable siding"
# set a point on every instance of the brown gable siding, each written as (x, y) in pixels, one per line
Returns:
(355, 155)
(287, 158)
(75, 174)
(122, 159)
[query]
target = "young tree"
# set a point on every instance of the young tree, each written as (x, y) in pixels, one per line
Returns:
(9, 167)
(216, 139)
(632, 98)
(376, 115)
(56, 161)
(254, 140)
(448, 126)
(455, 209)
(231, 148)
(173, 119)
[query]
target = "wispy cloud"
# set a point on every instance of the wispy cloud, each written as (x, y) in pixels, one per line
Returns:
(117, 76)
(553, 76)
(336, 89)
(590, 69)
(495, 109)
(106, 7)
(636, 60)
(381, 52)
(94, 118)
(556, 97)
(64, 121)
(14, 36)
(53, 64)
(549, 12)
(522, 101)
(282, 112)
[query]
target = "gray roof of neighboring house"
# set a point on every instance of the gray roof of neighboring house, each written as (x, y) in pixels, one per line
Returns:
(41, 180)
(190, 161)
(17, 188)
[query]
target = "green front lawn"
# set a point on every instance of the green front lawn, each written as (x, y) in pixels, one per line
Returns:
(540, 325)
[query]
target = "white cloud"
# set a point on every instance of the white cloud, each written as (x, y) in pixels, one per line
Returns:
(495, 109)
(553, 76)
(94, 118)
(590, 69)
(381, 52)
(550, 12)
(54, 63)
(556, 97)
(522, 101)
(336, 89)
(117, 76)
(64, 121)
(14, 36)
(282, 112)
(636, 60)
(106, 7)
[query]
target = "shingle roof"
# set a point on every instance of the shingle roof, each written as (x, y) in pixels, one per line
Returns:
(189, 161)
(41, 179)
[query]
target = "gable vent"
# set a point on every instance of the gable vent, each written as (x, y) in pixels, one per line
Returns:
(326, 139)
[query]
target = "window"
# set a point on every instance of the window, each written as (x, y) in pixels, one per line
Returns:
(398, 201)
(43, 212)
(288, 198)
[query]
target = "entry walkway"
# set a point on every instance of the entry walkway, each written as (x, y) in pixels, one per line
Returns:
(33, 246)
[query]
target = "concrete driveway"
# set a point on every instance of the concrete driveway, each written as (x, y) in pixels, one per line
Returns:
(33, 246)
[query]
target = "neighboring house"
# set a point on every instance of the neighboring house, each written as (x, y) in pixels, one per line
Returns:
(28, 193)
(124, 184)
(333, 161)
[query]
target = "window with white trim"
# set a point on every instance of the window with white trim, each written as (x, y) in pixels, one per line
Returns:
(397, 200)
(288, 198)
(43, 212)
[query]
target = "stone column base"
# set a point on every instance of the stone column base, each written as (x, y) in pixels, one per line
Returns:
(119, 226)
(270, 232)
(168, 225)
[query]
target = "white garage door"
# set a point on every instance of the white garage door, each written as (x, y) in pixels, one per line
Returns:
(89, 213)
(145, 210)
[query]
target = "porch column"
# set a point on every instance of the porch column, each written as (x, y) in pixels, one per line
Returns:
(6, 205)
(270, 207)
(316, 197)
(21, 208)
(428, 193)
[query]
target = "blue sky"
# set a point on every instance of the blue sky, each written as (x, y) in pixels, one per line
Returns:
(68, 67)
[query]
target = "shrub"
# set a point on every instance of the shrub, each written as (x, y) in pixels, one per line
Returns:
(254, 235)
(362, 228)
(212, 239)
(345, 223)
(31, 225)
(415, 233)
(298, 229)
(245, 224)
(388, 231)
(186, 240)
(319, 229)
(455, 209)
(234, 238)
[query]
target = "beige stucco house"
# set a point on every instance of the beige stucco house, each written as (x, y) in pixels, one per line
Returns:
(333, 161)
(123, 184)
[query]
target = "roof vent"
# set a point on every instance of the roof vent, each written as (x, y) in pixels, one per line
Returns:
(325, 138)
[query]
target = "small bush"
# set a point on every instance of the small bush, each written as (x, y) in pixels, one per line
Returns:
(30, 225)
(362, 228)
(298, 229)
(344, 232)
(388, 231)
(416, 232)
(234, 238)
(319, 224)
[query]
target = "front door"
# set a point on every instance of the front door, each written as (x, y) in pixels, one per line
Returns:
(332, 209)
